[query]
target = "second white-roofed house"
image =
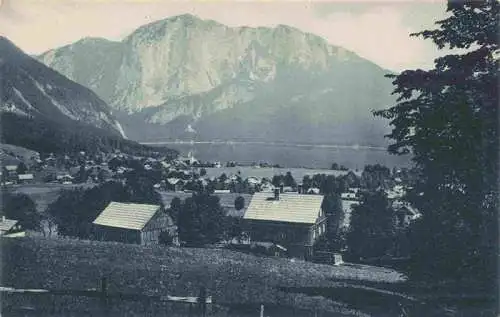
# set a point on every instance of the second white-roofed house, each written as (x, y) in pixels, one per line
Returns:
(294, 221)
(134, 223)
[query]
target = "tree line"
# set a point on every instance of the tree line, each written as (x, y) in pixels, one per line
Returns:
(45, 136)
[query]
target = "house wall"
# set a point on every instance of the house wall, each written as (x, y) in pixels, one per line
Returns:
(297, 238)
(104, 233)
(160, 222)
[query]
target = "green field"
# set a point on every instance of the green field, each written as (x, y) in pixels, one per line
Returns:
(238, 282)
(269, 172)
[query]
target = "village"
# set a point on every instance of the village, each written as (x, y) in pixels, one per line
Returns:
(272, 215)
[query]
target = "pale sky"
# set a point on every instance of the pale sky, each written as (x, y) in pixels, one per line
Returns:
(376, 30)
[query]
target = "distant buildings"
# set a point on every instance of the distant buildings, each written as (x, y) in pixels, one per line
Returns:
(349, 200)
(189, 160)
(133, 223)
(174, 184)
(292, 220)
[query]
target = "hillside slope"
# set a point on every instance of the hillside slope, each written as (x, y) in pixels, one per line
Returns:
(232, 279)
(44, 111)
(30, 89)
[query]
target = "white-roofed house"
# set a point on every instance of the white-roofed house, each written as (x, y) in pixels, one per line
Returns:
(175, 184)
(292, 220)
(10, 172)
(133, 223)
(8, 226)
(25, 178)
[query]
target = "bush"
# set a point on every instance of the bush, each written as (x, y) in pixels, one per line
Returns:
(239, 203)
(165, 238)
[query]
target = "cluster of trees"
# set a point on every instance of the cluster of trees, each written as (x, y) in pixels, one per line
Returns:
(338, 167)
(285, 180)
(372, 232)
(447, 118)
(20, 207)
(373, 178)
(333, 240)
(376, 176)
(200, 220)
(329, 184)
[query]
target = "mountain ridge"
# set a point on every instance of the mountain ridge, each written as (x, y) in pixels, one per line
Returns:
(183, 72)
(44, 111)
(32, 89)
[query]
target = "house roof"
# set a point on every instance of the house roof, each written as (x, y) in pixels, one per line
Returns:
(25, 176)
(126, 215)
(16, 234)
(11, 167)
(165, 164)
(290, 207)
(173, 181)
(7, 224)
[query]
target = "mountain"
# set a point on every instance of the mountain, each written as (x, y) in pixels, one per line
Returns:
(188, 78)
(31, 89)
(44, 111)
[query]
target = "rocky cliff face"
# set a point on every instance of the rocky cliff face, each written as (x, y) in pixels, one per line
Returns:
(183, 73)
(30, 89)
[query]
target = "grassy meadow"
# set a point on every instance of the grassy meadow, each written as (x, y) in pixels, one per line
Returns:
(237, 282)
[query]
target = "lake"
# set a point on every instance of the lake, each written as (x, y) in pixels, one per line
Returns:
(289, 155)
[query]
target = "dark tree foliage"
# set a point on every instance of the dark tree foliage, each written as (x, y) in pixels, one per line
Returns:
(371, 229)
(332, 240)
(376, 176)
(447, 118)
(140, 187)
(82, 175)
(277, 180)
(223, 178)
(22, 208)
(201, 220)
(203, 172)
(175, 208)
(289, 180)
(233, 228)
(22, 168)
(75, 210)
(329, 184)
(285, 180)
(239, 203)
(165, 238)
(332, 207)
